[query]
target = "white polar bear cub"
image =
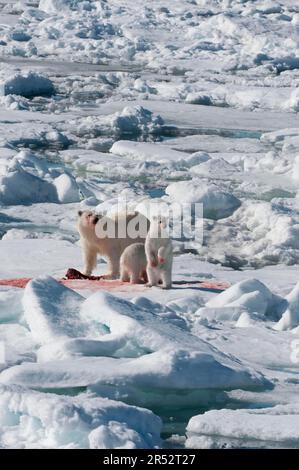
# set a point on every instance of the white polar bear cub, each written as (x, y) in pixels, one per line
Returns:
(133, 264)
(159, 254)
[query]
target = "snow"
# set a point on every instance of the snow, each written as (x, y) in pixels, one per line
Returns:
(246, 428)
(123, 330)
(41, 420)
(250, 294)
(189, 101)
(147, 152)
(55, 6)
(48, 320)
(18, 186)
(67, 189)
(217, 204)
(18, 255)
(290, 317)
(28, 85)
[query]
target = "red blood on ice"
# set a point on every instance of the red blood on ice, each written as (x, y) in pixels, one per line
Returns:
(74, 279)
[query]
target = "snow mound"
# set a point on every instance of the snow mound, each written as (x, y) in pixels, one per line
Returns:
(131, 121)
(290, 318)
(147, 152)
(28, 85)
(31, 419)
(278, 137)
(263, 428)
(10, 306)
(257, 234)
(18, 186)
(217, 204)
(214, 167)
(250, 295)
(208, 315)
(136, 120)
(51, 310)
(57, 6)
(146, 349)
(67, 189)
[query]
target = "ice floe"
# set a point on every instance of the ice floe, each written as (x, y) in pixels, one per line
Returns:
(258, 428)
(217, 204)
(28, 85)
(31, 419)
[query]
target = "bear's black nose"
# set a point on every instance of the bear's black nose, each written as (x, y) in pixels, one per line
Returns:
(96, 219)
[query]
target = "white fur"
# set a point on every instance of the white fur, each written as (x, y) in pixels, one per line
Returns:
(159, 255)
(111, 248)
(133, 264)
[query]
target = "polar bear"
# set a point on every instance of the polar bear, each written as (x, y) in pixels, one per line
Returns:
(159, 254)
(108, 236)
(133, 264)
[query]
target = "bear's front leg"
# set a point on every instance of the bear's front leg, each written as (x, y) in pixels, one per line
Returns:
(90, 259)
(166, 279)
(152, 276)
(113, 268)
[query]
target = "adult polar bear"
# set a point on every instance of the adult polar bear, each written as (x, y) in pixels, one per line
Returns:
(108, 236)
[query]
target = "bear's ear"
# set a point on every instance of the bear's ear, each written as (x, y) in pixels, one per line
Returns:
(80, 213)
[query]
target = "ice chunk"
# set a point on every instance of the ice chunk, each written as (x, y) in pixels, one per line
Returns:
(207, 315)
(148, 152)
(217, 204)
(290, 318)
(135, 120)
(18, 186)
(42, 420)
(67, 188)
(251, 295)
(10, 305)
(215, 167)
(57, 6)
(162, 354)
(266, 427)
(17, 343)
(28, 85)
(168, 368)
(52, 311)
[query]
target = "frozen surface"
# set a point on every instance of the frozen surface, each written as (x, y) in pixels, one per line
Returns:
(28, 86)
(41, 420)
(193, 102)
(245, 428)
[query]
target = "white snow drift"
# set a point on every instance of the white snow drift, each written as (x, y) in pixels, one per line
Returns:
(31, 419)
(217, 204)
(257, 428)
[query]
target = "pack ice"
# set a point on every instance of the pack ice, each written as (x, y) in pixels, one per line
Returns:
(150, 104)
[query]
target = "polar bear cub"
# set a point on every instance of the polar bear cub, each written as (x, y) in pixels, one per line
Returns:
(159, 253)
(133, 264)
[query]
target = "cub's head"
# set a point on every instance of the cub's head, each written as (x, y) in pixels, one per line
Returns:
(160, 221)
